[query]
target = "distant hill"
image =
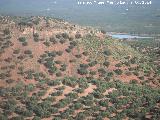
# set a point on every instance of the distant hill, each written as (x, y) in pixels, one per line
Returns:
(112, 18)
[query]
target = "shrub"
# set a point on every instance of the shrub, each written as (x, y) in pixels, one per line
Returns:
(63, 67)
(57, 118)
(107, 78)
(59, 53)
(17, 51)
(62, 41)
(68, 50)
(9, 81)
(71, 39)
(133, 81)
(58, 74)
(80, 90)
(24, 43)
(72, 61)
(97, 94)
(78, 36)
(133, 60)
(107, 52)
(54, 82)
(103, 103)
(80, 116)
(92, 72)
(128, 73)
(58, 36)
(53, 40)
(102, 71)
(73, 43)
(58, 62)
(103, 31)
(46, 43)
(22, 39)
(85, 66)
(6, 31)
(52, 54)
(53, 110)
(118, 71)
(36, 21)
(71, 47)
(78, 106)
(141, 77)
(91, 64)
(136, 73)
(36, 118)
(118, 65)
(36, 37)
(78, 56)
(58, 93)
(65, 35)
(82, 71)
(85, 53)
(106, 64)
(69, 82)
(52, 69)
(27, 52)
(17, 118)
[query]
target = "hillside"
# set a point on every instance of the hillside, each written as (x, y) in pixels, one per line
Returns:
(52, 69)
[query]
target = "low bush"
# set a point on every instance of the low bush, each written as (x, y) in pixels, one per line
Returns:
(22, 39)
(118, 71)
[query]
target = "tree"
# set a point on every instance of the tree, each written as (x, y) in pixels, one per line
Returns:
(36, 118)
(106, 63)
(36, 37)
(78, 36)
(118, 71)
(107, 52)
(80, 116)
(22, 39)
(65, 35)
(103, 31)
(6, 31)
(82, 71)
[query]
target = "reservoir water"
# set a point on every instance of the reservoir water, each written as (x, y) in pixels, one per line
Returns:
(127, 36)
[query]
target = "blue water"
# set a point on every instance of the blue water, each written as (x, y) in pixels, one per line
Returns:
(126, 36)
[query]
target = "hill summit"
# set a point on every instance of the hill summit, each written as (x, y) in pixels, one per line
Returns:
(52, 69)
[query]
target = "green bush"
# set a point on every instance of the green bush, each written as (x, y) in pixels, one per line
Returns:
(118, 71)
(59, 53)
(68, 50)
(107, 52)
(22, 39)
(36, 118)
(17, 51)
(73, 43)
(54, 82)
(106, 63)
(6, 31)
(65, 35)
(93, 63)
(78, 56)
(62, 41)
(78, 36)
(27, 52)
(36, 37)
(24, 43)
(46, 43)
(82, 71)
(58, 74)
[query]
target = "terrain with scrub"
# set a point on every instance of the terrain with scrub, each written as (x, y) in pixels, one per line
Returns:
(51, 70)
